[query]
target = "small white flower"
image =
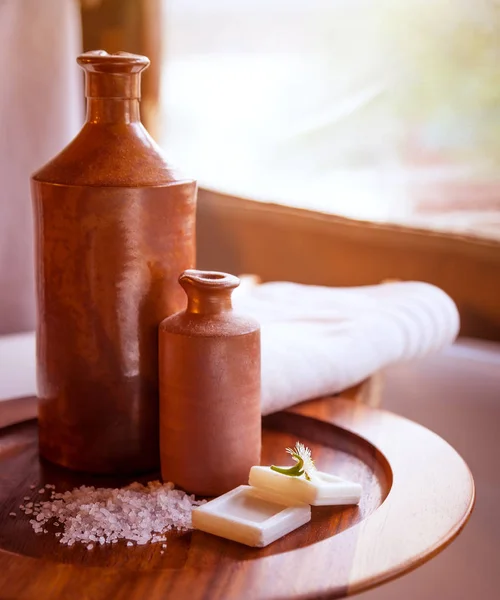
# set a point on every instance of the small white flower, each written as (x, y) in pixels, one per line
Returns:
(303, 453)
(304, 464)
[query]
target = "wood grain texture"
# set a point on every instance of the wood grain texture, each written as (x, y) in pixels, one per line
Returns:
(367, 392)
(417, 495)
(16, 410)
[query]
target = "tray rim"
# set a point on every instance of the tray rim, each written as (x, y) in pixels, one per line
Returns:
(370, 566)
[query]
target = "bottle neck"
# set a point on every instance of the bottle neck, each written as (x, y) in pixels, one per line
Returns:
(208, 292)
(113, 110)
(204, 302)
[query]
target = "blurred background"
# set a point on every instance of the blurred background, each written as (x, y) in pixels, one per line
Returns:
(385, 111)
(380, 110)
(336, 142)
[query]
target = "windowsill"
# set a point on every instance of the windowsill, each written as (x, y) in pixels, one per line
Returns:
(419, 230)
(225, 130)
(283, 243)
(411, 199)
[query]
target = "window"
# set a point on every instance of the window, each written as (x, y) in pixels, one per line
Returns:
(384, 110)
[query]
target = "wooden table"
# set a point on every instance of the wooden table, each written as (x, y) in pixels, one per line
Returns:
(417, 495)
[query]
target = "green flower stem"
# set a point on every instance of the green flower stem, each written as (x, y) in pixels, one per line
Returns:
(295, 471)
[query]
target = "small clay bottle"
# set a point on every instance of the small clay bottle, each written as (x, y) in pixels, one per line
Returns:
(210, 417)
(114, 227)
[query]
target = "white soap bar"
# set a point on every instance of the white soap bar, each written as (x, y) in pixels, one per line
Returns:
(322, 490)
(251, 516)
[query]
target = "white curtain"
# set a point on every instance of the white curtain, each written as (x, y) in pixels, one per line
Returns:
(41, 109)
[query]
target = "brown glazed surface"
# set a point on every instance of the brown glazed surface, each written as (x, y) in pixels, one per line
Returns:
(210, 424)
(113, 230)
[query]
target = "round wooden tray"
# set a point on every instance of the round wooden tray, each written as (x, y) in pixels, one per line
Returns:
(417, 495)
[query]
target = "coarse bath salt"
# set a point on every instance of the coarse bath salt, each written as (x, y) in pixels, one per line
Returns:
(137, 513)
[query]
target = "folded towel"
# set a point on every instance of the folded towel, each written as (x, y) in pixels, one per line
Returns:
(318, 341)
(17, 378)
(17, 365)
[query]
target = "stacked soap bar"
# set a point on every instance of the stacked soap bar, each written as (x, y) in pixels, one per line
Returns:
(272, 505)
(322, 489)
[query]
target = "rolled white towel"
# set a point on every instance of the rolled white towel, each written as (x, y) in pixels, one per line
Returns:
(317, 341)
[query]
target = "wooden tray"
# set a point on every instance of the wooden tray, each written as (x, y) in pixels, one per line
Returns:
(417, 495)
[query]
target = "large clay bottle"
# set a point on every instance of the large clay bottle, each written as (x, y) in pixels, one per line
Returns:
(210, 423)
(114, 227)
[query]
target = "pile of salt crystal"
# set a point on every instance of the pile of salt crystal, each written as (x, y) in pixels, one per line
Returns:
(137, 513)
